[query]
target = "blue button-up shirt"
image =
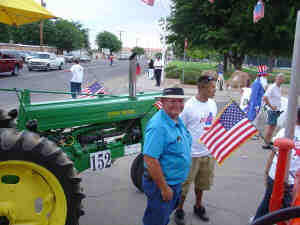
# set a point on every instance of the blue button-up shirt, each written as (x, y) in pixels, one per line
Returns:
(169, 143)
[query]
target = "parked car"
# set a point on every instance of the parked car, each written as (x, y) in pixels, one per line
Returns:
(69, 57)
(84, 59)
(46, 61)
(10, 62)
(30, 55)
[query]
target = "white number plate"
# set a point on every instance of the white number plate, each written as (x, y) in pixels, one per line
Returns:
(132, 149)
(100, 160)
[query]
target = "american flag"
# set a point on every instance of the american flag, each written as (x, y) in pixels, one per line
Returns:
(158, 105)
(230, 130)
(149, 2)
(259, 11)
(93, 89)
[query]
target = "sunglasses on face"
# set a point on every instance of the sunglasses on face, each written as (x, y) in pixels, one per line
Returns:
(205, 79)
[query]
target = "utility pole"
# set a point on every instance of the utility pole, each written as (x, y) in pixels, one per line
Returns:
(136, 41)
(41, 28)
(121, 31)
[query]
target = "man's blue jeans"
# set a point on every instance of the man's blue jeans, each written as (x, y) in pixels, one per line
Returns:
(75, 88)
(158, 211)
(263, 208)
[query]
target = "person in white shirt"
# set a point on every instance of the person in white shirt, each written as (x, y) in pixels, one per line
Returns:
(77, 78)
(198, 115)
(157, 70)
(272, 99)
(263, 208)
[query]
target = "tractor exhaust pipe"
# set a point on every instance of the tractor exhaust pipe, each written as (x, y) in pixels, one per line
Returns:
(132, 76)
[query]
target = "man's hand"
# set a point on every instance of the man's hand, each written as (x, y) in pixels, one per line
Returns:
(167, 193)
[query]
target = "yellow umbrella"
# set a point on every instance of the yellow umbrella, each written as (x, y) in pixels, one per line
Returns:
(18, 12)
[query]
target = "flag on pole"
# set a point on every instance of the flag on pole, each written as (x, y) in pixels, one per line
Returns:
(230, 130)
(93, 89)
(149, 2)
(259, 11)
(158, 105)
(185, 44)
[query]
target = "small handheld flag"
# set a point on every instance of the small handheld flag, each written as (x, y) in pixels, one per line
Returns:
(149, 2)
(230, 130)
(93, 89)
(158, 105)
(259, 11)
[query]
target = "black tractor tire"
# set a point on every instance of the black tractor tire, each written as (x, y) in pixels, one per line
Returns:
(137, 172)
(30, 147)
(16, 71)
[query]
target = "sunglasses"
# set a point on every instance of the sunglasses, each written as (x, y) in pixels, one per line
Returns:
(205, 79)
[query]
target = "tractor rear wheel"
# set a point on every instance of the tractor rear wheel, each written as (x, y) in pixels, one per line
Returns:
(137, 172)
(38, 181)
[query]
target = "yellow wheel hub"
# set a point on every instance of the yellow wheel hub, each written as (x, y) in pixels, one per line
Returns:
(30, 194)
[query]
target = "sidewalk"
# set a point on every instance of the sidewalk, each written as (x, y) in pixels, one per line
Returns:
(146, 85)
(238, 184)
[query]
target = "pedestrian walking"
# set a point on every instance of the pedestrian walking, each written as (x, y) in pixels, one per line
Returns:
(272, 98)
(157, 70)
(111, 59)
(77, 78)
(270, 171)
(198, 115)
(167, 157)
(255, 101)
(220, 72)
(151, 69)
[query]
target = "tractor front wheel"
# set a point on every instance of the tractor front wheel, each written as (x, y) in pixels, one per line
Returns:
(137, 172)
(38, 181)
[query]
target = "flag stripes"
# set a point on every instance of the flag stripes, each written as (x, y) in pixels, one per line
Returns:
(231, 129)
(93, 89)
(158, 105)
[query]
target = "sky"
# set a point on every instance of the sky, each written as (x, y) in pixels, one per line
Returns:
(137, 22)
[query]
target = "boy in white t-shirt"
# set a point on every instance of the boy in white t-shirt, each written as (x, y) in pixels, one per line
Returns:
(198, 115)
(77, 78)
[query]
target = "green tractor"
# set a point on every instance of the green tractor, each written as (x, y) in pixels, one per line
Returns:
(42, 154)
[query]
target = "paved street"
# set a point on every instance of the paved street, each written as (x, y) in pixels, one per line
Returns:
(57, 80)
(112, 199)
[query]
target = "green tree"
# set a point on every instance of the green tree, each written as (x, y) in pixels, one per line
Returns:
(5, 33)
(63, 34)
(227, 26)
(69, 35)
(138, 50)
(108, 40)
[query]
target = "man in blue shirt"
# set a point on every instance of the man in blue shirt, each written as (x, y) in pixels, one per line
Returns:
(257, 93)
(167, 157)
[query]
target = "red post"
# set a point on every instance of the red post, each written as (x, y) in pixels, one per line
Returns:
(284, 145)
(296, 198)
